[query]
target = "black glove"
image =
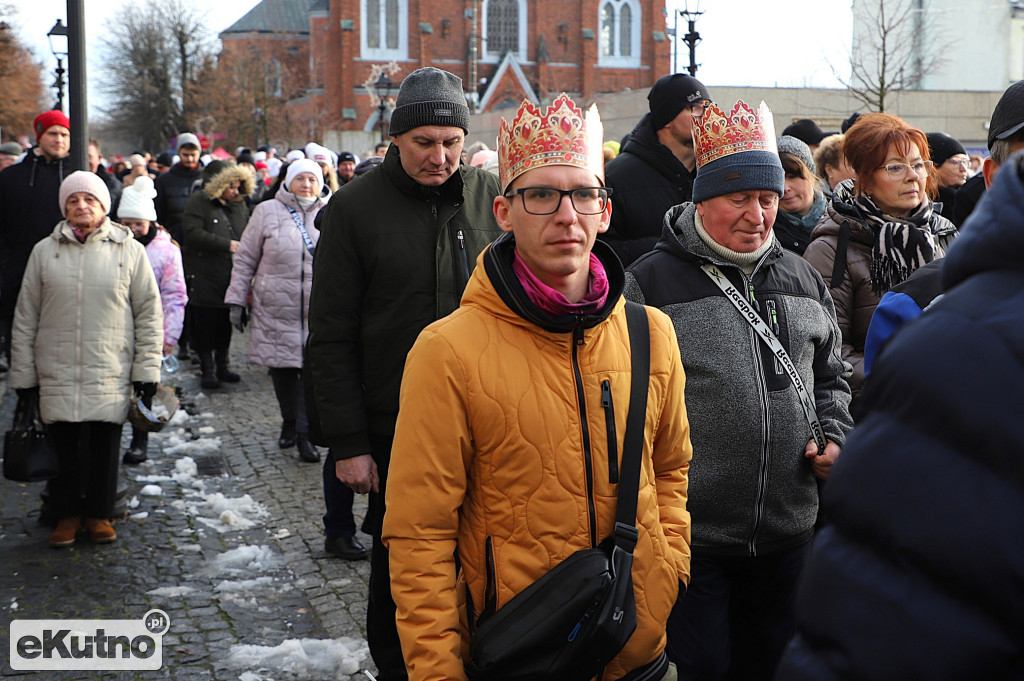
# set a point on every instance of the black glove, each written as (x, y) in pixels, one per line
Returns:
(238, 317)
(146, 392)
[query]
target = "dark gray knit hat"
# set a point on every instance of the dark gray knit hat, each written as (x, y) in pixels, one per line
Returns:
(670, 94)
(430, 96)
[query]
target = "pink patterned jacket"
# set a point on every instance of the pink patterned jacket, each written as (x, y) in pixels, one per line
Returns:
(165, 257)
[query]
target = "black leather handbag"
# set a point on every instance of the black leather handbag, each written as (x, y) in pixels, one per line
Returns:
(572, 621)
(28, 456)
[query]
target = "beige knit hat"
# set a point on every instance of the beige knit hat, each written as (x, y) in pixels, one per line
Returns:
(84, 181)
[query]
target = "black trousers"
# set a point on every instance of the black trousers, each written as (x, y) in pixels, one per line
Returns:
(381, 630)
(291, 398)
(211, 329)
(87, 482)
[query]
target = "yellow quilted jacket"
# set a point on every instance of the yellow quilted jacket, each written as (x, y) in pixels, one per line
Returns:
(490, 457)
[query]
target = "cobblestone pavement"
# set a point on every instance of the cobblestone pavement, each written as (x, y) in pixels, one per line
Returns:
(174, 551)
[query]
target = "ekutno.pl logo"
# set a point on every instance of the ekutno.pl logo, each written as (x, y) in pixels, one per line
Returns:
(105, 645)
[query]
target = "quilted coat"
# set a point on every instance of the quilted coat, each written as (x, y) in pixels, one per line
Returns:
(209, 228)
(88, 323)
(274, 264)
(502, 452)
(854, 299)
(920, 572)
(165, 259)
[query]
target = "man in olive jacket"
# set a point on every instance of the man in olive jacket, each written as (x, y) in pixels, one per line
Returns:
(395, 253)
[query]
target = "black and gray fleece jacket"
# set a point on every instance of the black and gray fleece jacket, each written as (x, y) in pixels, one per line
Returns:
(751, 489)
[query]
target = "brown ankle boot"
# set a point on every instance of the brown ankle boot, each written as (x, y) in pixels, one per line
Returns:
(100, 530)
(65, 533)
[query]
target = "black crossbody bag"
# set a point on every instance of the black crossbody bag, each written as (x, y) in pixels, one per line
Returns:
(571, 622)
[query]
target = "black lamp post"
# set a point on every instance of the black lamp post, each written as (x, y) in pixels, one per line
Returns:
(58, 37)
(692, 37)
(383, 88)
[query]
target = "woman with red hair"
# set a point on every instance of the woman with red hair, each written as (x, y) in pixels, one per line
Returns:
(879, 227)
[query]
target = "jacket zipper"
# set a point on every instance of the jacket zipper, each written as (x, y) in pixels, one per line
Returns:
(577, 341)
(464, 260)
(609, 425)
(762, 476)
(773, 320)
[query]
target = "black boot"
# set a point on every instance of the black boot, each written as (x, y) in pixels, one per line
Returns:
(307, 452)
(183, 352)
(137, 450)
(223, 373)
(209, 375)
(287, 438)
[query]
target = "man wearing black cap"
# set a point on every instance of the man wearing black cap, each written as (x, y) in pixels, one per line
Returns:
(346, 166)
(951, 165)
(656, 167)
(807, 131)
(394, 255)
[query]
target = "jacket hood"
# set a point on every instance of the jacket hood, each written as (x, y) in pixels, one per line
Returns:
(643, 142)
(679, 237)
(221, 179)
(114, 231)
(497, 263)
(992, 238)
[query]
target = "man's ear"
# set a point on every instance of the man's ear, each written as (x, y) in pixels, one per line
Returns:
(988, 170)
(502, 209)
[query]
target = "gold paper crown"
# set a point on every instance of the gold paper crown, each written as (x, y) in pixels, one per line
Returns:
(717, 134)
(561, 136)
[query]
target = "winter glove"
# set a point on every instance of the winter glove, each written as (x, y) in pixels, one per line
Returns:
(238, 317)
(146, 392)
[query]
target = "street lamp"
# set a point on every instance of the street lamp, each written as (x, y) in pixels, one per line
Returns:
(692, 37)
(383, 88)
(58, 37)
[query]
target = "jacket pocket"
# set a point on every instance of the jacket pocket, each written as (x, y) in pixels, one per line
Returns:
(609, 423)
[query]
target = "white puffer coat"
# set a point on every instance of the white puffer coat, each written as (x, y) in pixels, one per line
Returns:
(88, 323)
(274, 263)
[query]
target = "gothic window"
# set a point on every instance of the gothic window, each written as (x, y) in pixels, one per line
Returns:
(503, 24)
(620, 33)
(385, 27)
(274, 78)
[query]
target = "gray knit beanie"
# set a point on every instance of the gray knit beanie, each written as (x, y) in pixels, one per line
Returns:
(797, 147)
(430, 96)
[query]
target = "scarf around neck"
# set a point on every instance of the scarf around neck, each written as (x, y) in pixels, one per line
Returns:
(902, 244)
(553, 302)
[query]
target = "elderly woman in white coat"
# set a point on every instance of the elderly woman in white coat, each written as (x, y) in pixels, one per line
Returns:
(274, 263)
(88, 333)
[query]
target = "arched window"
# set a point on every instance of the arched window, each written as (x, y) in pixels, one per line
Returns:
(620, 33)
(274, 78)
(503, 25)
(385, 29)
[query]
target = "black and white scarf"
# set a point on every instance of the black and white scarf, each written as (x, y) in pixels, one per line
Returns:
(902, 245)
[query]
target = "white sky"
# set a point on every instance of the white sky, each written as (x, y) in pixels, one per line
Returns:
(785, 43)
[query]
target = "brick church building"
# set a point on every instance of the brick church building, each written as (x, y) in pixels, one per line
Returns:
(324, 59)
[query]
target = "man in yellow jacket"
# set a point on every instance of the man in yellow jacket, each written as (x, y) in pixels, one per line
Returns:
(508, 445)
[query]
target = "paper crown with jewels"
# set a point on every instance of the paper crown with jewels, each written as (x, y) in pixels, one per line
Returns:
(563, 135)
(736, 151)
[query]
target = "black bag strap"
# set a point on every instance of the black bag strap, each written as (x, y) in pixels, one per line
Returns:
(633, 443)
(839, 266)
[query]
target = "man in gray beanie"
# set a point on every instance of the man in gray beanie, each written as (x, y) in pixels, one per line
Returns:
(752, 493)
(395, 253)
(656, 167)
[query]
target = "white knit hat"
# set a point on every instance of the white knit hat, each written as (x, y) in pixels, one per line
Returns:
(304, 166)
(295, 155)
(137, 200)
(83, 181)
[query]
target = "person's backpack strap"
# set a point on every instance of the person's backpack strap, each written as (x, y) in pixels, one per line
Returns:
(839, 265)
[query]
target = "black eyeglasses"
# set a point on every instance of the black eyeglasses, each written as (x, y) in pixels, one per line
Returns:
(546, 200)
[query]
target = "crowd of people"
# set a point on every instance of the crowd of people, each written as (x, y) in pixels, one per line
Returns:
(826, 488)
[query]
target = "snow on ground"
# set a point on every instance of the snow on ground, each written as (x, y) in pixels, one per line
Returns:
(339, 658)
(246, 559)
(170, 591)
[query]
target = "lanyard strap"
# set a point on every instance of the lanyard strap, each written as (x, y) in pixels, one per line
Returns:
(302, 228)
(773, 343)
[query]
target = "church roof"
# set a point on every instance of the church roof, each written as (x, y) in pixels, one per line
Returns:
(274, 16)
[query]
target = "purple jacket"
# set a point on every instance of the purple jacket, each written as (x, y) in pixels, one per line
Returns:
(165, 257)
(274, 264)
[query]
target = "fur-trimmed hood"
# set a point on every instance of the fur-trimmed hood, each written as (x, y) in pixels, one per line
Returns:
(221, 178)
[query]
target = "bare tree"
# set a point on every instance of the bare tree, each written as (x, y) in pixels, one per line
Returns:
(20, 80)
(894, 49)
(150, 69)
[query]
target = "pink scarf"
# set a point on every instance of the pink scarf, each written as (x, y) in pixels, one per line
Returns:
(556, 304)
